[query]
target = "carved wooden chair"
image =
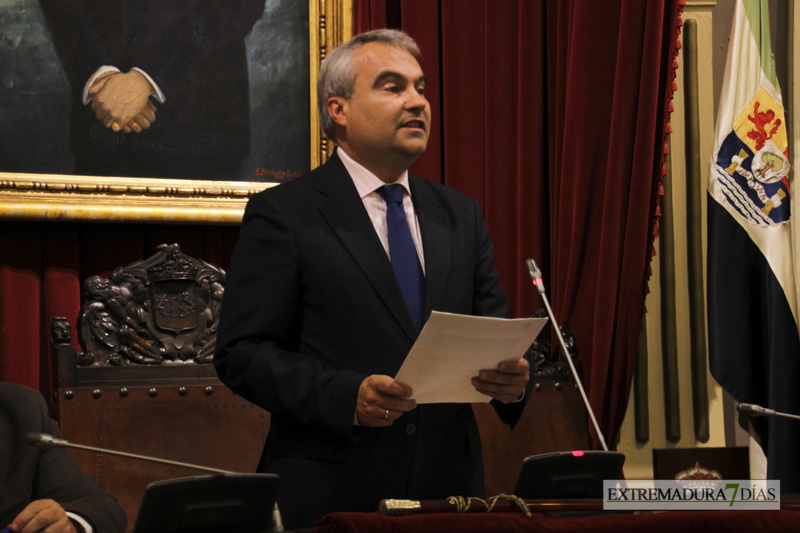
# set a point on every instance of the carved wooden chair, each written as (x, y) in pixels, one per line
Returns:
(144, 382)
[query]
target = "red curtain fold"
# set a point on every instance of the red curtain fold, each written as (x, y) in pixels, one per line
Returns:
(20, 306)
(494, 99)
(552, 115)
(604, 201)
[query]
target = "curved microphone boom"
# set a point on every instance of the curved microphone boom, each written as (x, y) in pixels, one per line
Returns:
(536, 277)
(43, 440)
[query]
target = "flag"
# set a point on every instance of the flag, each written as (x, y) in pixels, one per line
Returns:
(754, 346)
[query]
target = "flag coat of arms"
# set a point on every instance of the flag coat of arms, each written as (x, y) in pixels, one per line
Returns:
(754, 346)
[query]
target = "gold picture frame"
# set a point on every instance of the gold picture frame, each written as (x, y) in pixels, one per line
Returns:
(57, 197)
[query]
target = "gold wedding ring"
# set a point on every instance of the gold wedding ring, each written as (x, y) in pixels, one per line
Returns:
(386, 415)
(115, 126)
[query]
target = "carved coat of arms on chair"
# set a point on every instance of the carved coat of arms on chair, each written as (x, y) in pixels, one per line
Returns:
(161, 310)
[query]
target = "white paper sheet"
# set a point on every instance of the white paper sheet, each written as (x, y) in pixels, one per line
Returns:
(452, 349)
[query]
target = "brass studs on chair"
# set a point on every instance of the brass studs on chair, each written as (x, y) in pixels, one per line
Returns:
(96, 394)
(183, 391)
(123, 392)
(209, 390)
(152, 392)
(68, 395)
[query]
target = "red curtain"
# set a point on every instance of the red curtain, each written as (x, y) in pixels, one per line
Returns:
(554, 116)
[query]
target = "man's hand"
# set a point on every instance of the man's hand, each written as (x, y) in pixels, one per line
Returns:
(40, 515)
(121, 100)
(506, 383)
(382, 400)
(143, 120)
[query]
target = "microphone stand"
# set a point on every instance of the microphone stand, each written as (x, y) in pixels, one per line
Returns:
(43, 440)
(536, 276)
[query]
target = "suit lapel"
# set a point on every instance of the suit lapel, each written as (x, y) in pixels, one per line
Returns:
(435, 227)
(344, 211)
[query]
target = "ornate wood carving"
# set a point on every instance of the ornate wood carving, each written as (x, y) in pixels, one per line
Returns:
(162, 310)
(549, 364)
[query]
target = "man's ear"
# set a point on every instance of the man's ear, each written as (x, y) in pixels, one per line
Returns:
(337, 109)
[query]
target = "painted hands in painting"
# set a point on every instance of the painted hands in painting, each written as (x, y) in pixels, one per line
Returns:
(121, 101)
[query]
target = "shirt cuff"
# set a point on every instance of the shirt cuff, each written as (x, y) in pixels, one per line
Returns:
(157, 94)
(87, 527)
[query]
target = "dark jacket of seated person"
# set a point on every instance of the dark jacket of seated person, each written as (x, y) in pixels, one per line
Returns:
(31, 477)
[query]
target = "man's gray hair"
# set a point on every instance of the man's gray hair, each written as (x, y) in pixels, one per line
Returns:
(337, 75)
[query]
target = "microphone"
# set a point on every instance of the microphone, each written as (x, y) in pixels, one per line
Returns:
(756, 410)
(44, 440)
(536, 277)
(535, 274)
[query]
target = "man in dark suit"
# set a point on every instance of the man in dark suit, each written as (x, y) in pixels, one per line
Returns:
(315, 320)
(159, 89)
(44, 488)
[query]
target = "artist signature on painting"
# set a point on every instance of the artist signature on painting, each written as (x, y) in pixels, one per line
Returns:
(276, 175)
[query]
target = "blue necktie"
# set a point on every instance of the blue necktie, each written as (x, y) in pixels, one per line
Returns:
(403, 253)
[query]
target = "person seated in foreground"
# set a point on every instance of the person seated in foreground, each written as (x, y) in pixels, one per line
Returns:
(42, 489)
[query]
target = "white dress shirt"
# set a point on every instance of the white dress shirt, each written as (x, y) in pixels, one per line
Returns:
(367, 185)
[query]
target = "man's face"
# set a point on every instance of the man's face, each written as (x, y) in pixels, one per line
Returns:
(387, 118)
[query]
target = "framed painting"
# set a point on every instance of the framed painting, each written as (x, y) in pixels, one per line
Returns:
(232, 106)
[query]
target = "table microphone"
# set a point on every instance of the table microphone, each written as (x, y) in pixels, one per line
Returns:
(756, 410)
(536, 277)
(44, 440)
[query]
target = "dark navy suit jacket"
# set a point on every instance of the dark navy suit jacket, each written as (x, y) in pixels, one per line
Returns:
(28, 473)
(312, 307)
